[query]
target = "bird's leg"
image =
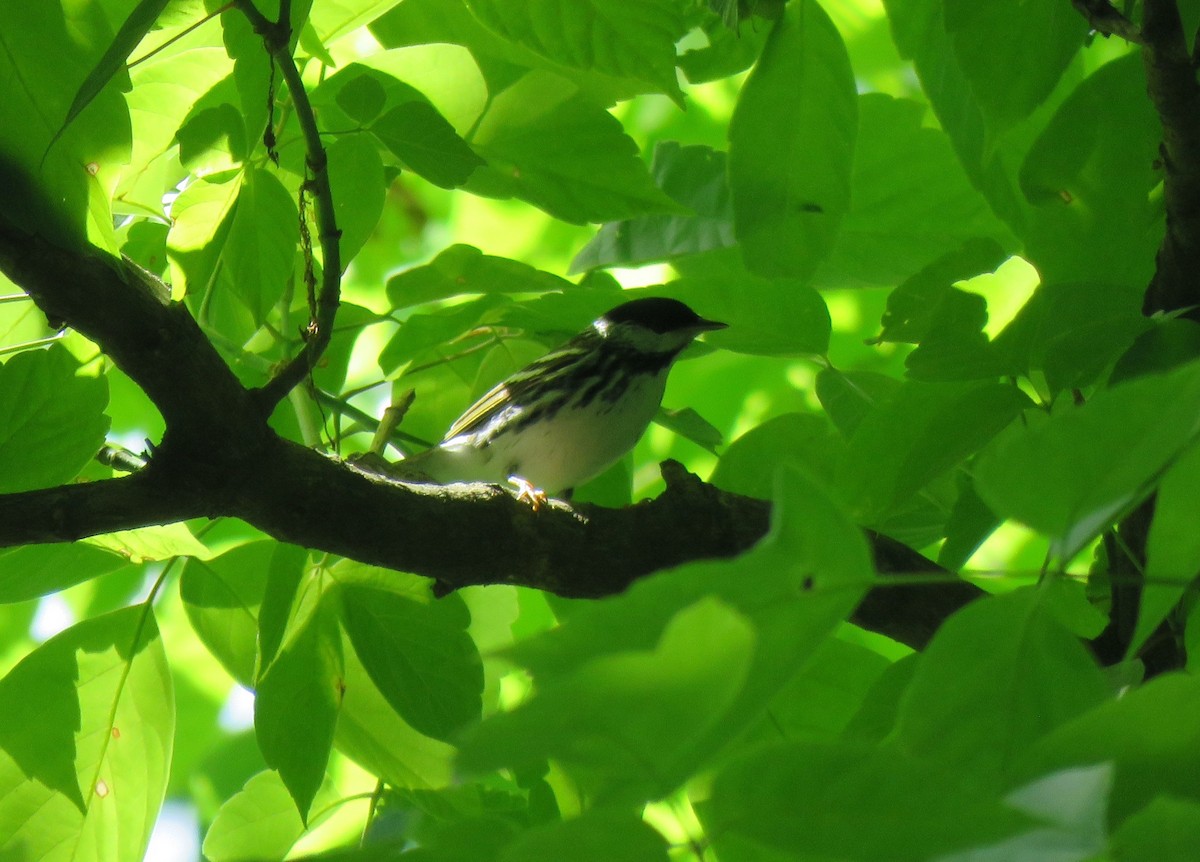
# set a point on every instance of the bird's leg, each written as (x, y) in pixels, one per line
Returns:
(527, 492)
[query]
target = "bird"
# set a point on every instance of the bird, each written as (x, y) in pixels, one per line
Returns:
(567, 417)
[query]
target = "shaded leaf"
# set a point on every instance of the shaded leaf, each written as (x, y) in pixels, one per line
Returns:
(998, 675)
(424, 142)
(1072, 474)
(695, 177)
(792, 146)
(299, 695)
(419, 655)
(859, 803)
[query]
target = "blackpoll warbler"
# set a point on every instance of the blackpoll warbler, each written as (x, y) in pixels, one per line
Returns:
(567, 417)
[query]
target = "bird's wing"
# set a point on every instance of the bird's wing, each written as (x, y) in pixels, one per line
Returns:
(516, 388)
(478, 414)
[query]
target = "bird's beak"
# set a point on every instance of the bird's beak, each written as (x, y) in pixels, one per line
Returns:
(703, 325)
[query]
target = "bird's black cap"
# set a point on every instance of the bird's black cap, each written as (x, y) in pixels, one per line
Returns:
(659, 314)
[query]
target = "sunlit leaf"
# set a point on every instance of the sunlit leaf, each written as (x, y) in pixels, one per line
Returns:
(85, 741)
(52, 419)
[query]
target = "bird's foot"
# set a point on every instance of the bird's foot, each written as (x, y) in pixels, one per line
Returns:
(527, 492)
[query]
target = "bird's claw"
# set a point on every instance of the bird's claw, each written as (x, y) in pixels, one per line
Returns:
(527, 492)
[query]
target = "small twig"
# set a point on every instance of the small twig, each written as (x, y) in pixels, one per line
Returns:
(1105, 18)
(30, 345)
(120, 458)
(392, 417)
(276, 37)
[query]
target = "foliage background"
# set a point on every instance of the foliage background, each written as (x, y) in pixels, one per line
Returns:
(930, 224)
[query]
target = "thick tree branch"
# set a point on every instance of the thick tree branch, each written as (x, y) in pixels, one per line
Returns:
(129, 313)
(1171, 81)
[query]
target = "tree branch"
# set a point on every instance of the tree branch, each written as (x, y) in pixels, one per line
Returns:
(1171, 82)
(1105, 18)
(129, 313)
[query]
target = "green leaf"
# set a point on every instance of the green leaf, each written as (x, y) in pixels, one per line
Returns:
(443, 76)
(686, 422)
(136, 26)
(989, 43)
(282, 576)
(632, 712)
(146, 544)
(300, 692)
(729, 50)
(63, 193)
(1167, 828)
(1072, 804)
(421, 332)
(970, 522)
(462, 270)
(260, 251)
(928, 303)
(921, 34)
(370, 732)
(52, 420)
(1091, 173)
(767, 317)
(356, 177)
(1173, 547)
(221, 597)
(792, 146)
(547, 144)
(859, 802)
(200, 220)
(362, 98)
(635, 42)
(694, 177)
(1072, 332)
(901, 221)
(1168, 343)
(751, 463)
(212, 141)
(1071, 475)
(85, 742)
(849, 397)
(918, 434)
(38, 570)
(595, 836)
(166, 86)
(419, 655)
(424, 142)
(998, 675)
(260, 821)
(1147, 734)
(332, 19)
(827, 693)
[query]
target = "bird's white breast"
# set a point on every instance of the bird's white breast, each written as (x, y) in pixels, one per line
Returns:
(556, 453)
